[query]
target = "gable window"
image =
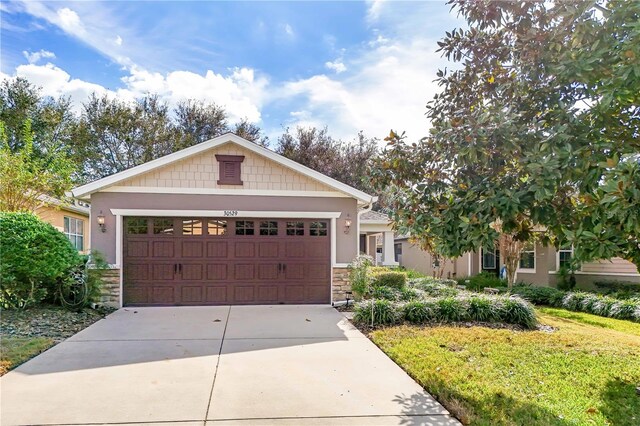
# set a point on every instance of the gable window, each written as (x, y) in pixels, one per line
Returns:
(244, 227)
(488, 259)
(74, 230)
(318, 229)
(268, 227)
(295, 228)
(230, 170)
(528, 257)
(564, 256)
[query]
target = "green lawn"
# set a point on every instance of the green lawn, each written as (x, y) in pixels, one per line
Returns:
(16, 350)
(581, 374)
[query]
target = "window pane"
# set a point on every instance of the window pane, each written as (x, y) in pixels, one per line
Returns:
(268, 227)
(527, 260)
(192, 227)
(66, 225)
(137, 226)
(80, 243)
(295, 228)
(318, 229)
(163, 226)
(217, 227)
(244, 227)
(488, 259)
(80, 227)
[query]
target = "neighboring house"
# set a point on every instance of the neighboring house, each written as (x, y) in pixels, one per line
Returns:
(226, 222)
(410, 256)
(70, 218)
(539, 265)
(376, 238)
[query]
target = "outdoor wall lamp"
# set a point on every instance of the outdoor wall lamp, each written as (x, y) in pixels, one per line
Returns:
(101, 224)
(347, 224)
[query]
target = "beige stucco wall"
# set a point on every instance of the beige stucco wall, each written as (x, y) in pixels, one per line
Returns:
(202, 171)
(414, 258)
(615, 265)
(55, 216)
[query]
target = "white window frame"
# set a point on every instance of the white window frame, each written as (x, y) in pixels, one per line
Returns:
(558, 256)
(482, 265)
(534, 260)
(66, 230)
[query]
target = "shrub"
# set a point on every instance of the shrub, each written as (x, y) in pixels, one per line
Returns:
(409, 293)
(482, 280)
(412, 273)
(573, 300)
(618, 289)
(386, 293)
(566, 279)
(518, 311)
(539, 295)
(483, 308)
(34, 258)
(452, 309)
(602, 306)
(390, 279)
(420, 311)
(377, 312)
(434, 288)
(624, 309)
(359, 275)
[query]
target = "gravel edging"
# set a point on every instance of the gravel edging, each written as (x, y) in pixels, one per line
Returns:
(53, 322)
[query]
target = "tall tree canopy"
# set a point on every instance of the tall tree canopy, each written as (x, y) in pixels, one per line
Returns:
(536, 128)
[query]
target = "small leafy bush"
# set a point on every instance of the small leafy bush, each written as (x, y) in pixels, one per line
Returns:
(483, 308)
(602, 306)
(566, 279)
(573, 300)
(359, 275)
(386, 293)
(377, 312)
(625, 309)
(34, 259)
(618, 289)
(409, 293)
(412, 273)
(480, 281)
(518, 311)
(434, 288)
(420, 311)
(539, 295)
(396, 280)
(452, 309)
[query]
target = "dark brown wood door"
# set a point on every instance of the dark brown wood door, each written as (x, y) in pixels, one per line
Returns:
(218, 261)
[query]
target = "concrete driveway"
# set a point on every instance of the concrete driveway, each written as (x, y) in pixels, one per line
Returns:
(258, 365)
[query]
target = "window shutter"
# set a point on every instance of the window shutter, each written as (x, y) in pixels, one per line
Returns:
(230, 172)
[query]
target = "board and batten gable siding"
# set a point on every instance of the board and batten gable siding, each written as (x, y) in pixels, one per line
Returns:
(202, 171)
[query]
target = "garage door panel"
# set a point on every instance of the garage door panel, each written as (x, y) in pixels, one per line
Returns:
(243, 294)
(268, 271)
(244, 271)
(217, 294)
(192, 271)
(192, 249)
(217, 272)
(245, 249)
(138, 249)
(163, 295)
(163, 249)
(162, 271)
(191, 294)
(268, 294)
(286, 263)
(137, 271)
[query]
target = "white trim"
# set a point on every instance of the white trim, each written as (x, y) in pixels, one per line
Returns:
(604, 274)
(482, 268)
(333, 244)
(223, 191)
(221, 213)
(470, 262)
(100, 184)
(341, 265)
(558, 257)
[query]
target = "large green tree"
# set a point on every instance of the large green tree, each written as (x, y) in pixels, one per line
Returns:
(535, 132)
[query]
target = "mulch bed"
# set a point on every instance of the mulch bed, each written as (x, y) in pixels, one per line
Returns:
(49, 321)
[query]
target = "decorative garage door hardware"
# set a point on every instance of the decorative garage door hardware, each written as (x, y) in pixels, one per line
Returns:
(209, 261)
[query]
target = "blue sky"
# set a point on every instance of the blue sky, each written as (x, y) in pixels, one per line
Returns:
(352, 66)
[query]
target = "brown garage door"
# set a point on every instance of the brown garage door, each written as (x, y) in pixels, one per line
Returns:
(209, 261)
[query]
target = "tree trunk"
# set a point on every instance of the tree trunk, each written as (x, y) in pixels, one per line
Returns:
(511, 252)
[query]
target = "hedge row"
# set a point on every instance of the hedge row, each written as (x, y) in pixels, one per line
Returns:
(472, 307)
(596, 304)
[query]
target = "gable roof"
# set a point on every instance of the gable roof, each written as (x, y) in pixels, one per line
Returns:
(374, 217)
(95, 186)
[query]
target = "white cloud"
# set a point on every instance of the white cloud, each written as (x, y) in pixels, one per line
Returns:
(241, 92)
(336, 66)
(34, 57)
(118, 41)
(69, 21)
(289, 31)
